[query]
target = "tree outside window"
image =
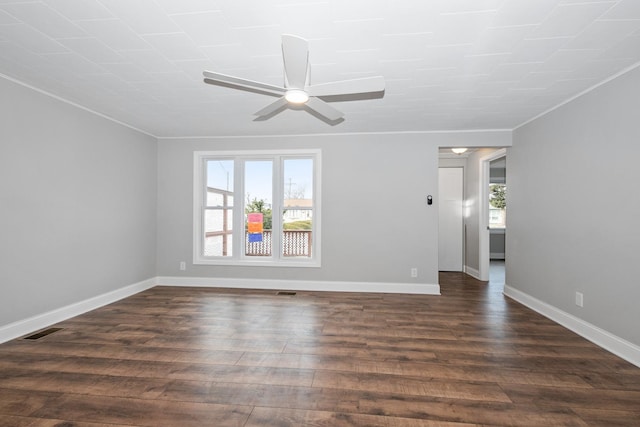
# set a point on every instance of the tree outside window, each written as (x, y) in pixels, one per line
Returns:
(497, 205)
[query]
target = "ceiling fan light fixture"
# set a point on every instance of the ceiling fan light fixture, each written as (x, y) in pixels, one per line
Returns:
(459, 150)
(296, 96)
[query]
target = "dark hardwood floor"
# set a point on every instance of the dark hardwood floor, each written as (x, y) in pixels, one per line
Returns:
(205, 357)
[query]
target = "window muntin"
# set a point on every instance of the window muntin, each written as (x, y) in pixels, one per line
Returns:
(241, 185)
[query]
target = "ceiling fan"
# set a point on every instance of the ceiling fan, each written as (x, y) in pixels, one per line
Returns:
(297, 90)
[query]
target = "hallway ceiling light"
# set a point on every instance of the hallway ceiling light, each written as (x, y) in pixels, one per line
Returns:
(458, 150)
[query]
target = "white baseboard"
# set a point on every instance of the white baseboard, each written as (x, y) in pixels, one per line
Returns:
(496, 255)
(472, 272)
(616, 345)
(301, 285)
(35, 323)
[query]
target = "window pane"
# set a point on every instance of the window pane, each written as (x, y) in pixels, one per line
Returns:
(219, 183)
(258, 181)
(298, 182)
(218, 228)
(218, 198)
(297, 233)
(297, 224)
(497, 205)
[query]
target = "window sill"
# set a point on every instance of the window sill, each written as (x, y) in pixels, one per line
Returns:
(258, 263)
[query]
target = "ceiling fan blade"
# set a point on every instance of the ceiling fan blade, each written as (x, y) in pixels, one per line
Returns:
(295, 52)
(272, 108)
(347, 87)
(243, 83)
(324, 109)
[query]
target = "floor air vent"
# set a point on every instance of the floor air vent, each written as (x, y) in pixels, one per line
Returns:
(286, 293)
(41, 334)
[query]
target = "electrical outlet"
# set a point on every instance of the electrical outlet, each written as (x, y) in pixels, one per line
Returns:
(183, 265)
(414, 272)
(579, 299)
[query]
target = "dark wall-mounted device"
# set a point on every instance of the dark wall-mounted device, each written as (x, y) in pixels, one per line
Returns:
(429, 200)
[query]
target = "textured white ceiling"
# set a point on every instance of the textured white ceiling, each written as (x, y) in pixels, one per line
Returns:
(448, 64)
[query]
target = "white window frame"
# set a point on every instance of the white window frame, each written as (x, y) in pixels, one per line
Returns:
(238, 257)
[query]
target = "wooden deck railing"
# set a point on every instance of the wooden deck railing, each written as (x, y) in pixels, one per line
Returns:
(295, 243)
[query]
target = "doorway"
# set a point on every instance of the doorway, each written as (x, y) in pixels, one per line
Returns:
(485, 218)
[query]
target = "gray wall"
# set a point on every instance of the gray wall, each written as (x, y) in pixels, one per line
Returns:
(370, 215)
(574, 207)
(497, 244)
(77, 204)
(376, 225)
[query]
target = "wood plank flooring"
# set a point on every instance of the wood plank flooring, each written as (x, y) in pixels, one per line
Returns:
(205, 357)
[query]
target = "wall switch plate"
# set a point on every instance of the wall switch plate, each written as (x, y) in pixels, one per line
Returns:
(579, 299)
(183, 265)
(414, 272)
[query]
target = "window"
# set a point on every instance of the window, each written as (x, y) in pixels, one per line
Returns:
(497, 205)
(257, 208)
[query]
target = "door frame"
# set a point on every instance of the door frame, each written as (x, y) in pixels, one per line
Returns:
(483, 213)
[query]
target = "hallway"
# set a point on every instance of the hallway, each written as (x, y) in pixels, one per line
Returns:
(496, 274)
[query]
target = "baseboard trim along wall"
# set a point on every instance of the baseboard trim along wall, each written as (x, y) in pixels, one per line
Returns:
(608, 341)
(40, 321)
(472, 272)
(301, 285)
